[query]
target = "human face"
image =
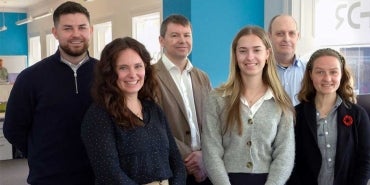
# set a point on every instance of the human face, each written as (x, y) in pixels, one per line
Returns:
(326, 75)
(284, 35)
(130, 70)
(251, 55)
(73, 33)
(177, 42)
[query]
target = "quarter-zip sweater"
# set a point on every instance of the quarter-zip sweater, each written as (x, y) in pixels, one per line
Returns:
(43, 119)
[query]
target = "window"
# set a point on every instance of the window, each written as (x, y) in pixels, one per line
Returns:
(51, 44)
(34, 52)
(358, 59)
(102, 36)
(140, 26)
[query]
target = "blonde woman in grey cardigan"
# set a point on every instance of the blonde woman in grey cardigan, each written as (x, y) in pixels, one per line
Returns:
(249, 137)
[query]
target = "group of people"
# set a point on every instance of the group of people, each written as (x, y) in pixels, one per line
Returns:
(121, 120)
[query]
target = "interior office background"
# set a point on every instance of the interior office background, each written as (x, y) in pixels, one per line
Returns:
(343, 25)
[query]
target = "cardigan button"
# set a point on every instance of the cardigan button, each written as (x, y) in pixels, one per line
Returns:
(249, 165)
(249, 143)
(250, 121)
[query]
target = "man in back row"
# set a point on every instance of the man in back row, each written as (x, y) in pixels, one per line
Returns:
(284, 36)
(183, 91)
(48, 101)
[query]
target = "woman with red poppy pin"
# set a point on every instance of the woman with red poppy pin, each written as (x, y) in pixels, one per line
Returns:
(332, 132)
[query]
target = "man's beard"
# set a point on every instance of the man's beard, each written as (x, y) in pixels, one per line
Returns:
(74, 52)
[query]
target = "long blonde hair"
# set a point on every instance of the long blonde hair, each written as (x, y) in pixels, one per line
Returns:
(233, 86)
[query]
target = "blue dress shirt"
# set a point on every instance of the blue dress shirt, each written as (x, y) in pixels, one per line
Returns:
(291, 78)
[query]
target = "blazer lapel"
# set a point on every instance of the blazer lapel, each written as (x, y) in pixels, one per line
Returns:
(343, 139)
(197, 96)
(310, 114)
(170, 84)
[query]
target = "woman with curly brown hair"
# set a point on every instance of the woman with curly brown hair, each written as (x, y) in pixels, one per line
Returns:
(332, 132)
(126, 134)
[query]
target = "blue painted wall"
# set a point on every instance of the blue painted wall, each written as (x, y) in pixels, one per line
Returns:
(215, 23)
(177, 7)
(13, 41)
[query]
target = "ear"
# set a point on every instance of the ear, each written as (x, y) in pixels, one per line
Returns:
(161, 41)
(54, 31)
(91, 30)
(268, 53)
(270, 35)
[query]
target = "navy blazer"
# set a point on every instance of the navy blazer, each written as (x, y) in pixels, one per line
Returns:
(352, 160)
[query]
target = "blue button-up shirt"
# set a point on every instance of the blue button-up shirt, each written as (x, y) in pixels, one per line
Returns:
(291, 78)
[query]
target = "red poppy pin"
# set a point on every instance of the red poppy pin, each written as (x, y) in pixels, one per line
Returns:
(347, 120)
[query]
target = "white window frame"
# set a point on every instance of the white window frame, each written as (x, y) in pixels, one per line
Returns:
(34, 51)
(51, 44)
(102, 36)
(145, 29)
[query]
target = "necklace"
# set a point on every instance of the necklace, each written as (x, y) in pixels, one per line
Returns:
(136, 108)
(139, 113)
(253, 99)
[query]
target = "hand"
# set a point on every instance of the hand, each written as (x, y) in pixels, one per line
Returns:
(194, 165)
(200, 176)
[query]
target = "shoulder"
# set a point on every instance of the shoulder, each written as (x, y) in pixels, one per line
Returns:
(199, 72)
(217, 95)
(299, 106)
(96, 112)
(304, 110)
(300, 64)
(96, 116)
(36, 71)
(216, 99)
(353, 109)
(201, 76)
(92, 61)
(151, 106)
(158, 65)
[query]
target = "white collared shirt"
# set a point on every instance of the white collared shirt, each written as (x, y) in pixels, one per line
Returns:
(252, 110)
(183, 82)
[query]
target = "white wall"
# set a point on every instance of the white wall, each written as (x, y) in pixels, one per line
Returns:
(117, 11)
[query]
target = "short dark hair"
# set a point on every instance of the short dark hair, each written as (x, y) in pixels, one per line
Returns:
(69, 7)
(176, 19)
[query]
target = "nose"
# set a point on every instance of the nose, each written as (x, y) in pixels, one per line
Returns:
(249, 55)
(286, 36)
(326, 77)
(76, 32)
(182, 39)
(131, 72)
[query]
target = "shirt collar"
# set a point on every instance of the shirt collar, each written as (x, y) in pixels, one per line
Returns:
(296, 63)
(338, 101)
(74, 65)
(170, 65)
(268, 94)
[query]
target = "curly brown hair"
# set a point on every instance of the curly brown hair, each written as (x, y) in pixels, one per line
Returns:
(345, 90)
(105, 90)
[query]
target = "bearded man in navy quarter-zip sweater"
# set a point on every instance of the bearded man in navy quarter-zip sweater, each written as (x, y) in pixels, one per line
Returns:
(48, 101)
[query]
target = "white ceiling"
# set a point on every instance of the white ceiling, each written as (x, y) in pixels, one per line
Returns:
(17, 4)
